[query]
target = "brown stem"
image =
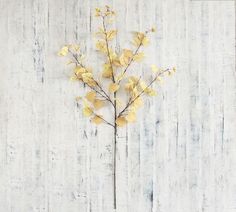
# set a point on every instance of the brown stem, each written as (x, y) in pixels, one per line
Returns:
(104, 120)
(107, 46)
(115, 115)
(105, 95)
(131, 60)
(114, 151)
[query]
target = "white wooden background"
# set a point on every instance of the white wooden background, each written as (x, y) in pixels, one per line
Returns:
(179, 157)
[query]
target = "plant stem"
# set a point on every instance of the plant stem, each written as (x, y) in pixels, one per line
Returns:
(114, 151)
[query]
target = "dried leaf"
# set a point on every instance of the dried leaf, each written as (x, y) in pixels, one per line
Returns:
(63, 51)
(139, 57)
(154, 68)
(87, 111)
(101, 46)
(116, 62)
(79, 71)
(131, 117)
(90, 96)
(113, 87)
(98, 104)
(121, 121)
(138, 103)
(150, 92)
(124, 61)
(111, 34)
(159, 79)
(125, 57)
(97, 120)
(145, 41)
(140, 39)
(73, 78)
(107, 71)
(97, 12)
(128, 53)
(88, 78)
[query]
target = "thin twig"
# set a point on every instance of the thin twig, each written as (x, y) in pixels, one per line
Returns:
(106, 96)
(107, 122)
(115, 113)
(133, 100)
(130, 62)
(107, 46)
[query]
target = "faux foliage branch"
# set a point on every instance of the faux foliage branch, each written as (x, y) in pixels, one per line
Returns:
(116, 86)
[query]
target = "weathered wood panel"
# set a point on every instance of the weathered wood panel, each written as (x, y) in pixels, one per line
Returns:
(180, 156)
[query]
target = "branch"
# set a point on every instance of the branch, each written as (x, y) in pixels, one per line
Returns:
(105, 95)
(131, 101)
(132, 59)
(130, 62)
(108, 123)
(107, 46)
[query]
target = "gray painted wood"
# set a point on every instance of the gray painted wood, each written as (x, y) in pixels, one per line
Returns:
(180, 156)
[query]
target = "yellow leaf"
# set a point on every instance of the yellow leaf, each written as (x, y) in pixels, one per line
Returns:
(138, 57)
(143, 85)
(129, 86)
(87, 111)
(145, 41)
(140, 39)
(124, 61)
(159, 79)
(131, 117)
(113, 87)
(90, 96)
(98, 104)
(64, 51)
(107, 71)
(128, 53)
(136, 42)
(125, 57)
(151, 92)
(101, 46)
(88, 78)
(121, 121)
(154, 68)
(97, 12)
(134, 92)
(138, 103)
(73, 78)
(79, 71)
(70, 62)
(120, 77)
(111, 34)
(97, 120)
(140, 35)
(116, 62)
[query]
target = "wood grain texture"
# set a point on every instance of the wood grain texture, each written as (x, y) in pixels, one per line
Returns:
(179, 157)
